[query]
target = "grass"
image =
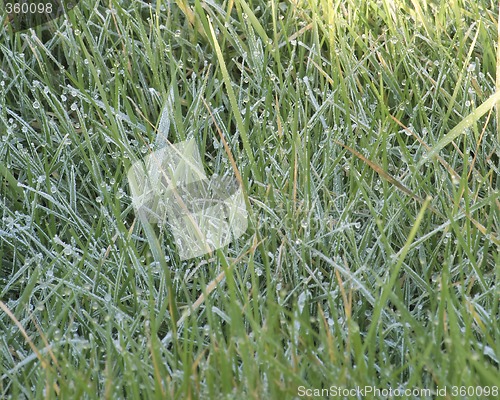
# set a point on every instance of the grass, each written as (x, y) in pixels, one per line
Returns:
(367, 144)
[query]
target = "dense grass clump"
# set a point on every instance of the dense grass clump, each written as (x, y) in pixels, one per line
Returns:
(367, 142)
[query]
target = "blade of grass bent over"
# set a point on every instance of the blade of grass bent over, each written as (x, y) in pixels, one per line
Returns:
(461, 127)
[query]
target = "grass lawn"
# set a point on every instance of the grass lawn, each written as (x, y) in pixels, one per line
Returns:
(367, 140)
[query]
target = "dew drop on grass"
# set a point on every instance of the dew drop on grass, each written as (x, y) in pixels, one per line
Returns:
(301, 302)
(118, 346)
(107, 298)
(36, 105)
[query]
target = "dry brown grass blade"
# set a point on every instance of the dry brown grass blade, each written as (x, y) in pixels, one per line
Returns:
(45, 365)
(212, 285)
(385, 175)
(191, 16)
(227, 149)
(45, 341)
(483, 131)
(295, 35)
(452, 172)
(428, 148)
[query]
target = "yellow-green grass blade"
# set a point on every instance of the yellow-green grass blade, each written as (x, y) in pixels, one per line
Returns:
(461, 127)
(232, 98)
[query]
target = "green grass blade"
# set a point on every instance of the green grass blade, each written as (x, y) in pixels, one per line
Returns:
(461, 127)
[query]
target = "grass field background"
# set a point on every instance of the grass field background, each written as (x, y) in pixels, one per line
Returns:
(368, 148)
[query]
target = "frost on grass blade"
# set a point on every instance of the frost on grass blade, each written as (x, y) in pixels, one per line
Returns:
(170, 187)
